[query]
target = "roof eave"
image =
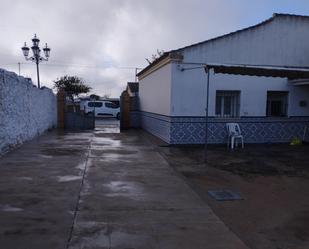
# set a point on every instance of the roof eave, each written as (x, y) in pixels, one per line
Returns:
(160, 62)
(291, 73)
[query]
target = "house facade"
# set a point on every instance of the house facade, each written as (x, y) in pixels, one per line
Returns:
(172, 90)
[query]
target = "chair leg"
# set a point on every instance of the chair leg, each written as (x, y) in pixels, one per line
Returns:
(242, 142)
(232, 142)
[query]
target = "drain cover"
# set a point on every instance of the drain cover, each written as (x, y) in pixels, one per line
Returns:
(224, 195)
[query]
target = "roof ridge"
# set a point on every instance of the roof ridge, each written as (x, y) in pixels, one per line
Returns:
(288, 14)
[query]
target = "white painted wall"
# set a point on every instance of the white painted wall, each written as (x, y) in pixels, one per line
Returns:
(283, 42)
(297, 94)
(189, 93)
(25, 110)
(155, 91)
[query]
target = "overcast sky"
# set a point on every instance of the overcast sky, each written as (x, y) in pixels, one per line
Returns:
(102, 41)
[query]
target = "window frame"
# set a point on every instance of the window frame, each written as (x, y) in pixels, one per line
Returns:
(111, 105)
(282, 96)
(93, 104)
(234, 106)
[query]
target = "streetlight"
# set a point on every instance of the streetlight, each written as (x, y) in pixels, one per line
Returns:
(37, 58)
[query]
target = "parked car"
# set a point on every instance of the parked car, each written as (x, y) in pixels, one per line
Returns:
(101, 108)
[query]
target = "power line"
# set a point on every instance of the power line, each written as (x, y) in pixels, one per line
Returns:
(18, 64)
(81, 66)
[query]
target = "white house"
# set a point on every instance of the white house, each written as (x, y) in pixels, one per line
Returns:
(172, 90)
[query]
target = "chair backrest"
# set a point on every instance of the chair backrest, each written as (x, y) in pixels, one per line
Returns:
(233, 129)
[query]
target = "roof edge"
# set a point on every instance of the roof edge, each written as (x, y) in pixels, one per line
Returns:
(171, 53)
(166, 58)
(260, 71)
(275, 15)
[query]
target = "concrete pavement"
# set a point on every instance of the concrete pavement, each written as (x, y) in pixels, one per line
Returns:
(39, 185)
(101, 190)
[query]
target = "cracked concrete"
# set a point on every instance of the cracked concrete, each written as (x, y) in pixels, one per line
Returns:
(114, 188)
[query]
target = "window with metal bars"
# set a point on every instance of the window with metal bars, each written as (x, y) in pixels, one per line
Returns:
(227, 104)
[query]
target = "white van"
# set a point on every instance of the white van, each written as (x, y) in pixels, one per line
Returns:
(101, 108)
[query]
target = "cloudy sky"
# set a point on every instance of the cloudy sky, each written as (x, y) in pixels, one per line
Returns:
(102, 41)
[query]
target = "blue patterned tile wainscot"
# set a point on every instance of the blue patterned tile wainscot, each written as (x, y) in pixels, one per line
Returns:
(135, 119)
(191, 130)
(158, 125)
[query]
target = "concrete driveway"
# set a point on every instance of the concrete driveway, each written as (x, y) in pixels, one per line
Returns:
(101, 190)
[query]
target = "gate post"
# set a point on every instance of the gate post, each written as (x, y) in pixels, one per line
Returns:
(61, 108)
(124, 111)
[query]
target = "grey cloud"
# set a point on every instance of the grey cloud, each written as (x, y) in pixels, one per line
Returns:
(93, 38)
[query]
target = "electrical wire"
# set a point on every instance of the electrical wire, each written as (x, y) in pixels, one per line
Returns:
(77, 66)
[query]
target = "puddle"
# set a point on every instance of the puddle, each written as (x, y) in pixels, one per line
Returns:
(105, 141)
(102, 235)
(46, 156)
(86, 188)
(68, 178)
(109, 130)
(25, 178)
(71, 213)
(113, 154)
(81, 166)
(8, 208)
(65, 150)
(123, 188)
(113, 151)
(113, 159)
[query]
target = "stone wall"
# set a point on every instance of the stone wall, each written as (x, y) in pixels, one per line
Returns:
(25, 110)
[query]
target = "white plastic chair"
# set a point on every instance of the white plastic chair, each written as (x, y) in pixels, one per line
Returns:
(234, 134)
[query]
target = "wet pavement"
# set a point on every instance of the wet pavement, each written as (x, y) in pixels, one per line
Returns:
(101, 189)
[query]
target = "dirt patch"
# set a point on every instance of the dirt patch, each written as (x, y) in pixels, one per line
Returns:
(255, 160)
(273, 181)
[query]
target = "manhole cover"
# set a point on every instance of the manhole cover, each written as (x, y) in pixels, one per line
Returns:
(224, 195)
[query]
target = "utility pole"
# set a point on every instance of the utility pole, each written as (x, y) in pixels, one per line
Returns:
(207, 70)
(136, 70)
(136, 74)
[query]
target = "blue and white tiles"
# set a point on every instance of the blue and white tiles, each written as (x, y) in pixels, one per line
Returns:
(191, 130)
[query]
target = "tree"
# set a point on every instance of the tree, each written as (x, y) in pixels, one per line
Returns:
(72, 85)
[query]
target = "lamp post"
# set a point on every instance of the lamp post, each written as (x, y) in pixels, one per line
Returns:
(37, 58)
